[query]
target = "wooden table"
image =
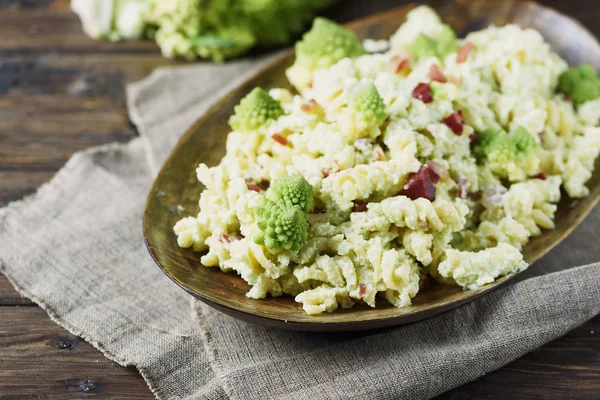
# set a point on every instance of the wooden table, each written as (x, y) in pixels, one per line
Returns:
(61, 92)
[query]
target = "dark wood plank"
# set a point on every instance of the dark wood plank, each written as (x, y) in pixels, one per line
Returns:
(10, 297)
(568, 368)
(40, 360)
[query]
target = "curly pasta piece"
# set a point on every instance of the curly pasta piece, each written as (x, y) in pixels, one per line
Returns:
(472, 270)
(360, 182)
(422, 214)
(323, 299)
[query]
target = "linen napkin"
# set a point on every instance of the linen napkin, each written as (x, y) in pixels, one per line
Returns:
(76, 249)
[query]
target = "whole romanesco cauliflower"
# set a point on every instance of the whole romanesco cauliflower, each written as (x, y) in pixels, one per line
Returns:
(257, 109)
(324, 45)
(282, 217)
(215, 29)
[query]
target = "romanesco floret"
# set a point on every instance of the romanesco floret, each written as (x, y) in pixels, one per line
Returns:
(365, 113)
(581, 83)
(513, 156)
(439, 46)
(282, 217)
(292, 190)
(324, 45)
(367, 101)
(257, 109)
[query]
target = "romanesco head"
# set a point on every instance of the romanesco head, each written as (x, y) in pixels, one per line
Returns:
(513, 156)
(292, 190)
(367, 101)
(440, 45)
(523, 140)
(581, 83)
(257, 109)
(282, 218)
(586, 90)
(323, 45)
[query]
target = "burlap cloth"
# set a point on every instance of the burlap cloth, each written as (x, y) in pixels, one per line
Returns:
(76, 249)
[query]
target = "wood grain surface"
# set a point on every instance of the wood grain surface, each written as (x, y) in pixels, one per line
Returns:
(61, 92)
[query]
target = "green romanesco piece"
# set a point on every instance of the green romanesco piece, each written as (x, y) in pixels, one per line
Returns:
(368, 103)
(257, 109)
(585, 91)
(324, 45)
(513, 156)
(581, 84)
(439, 46)
(292, 190)
(282, 215)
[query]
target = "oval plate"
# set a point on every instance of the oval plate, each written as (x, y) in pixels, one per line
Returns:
(176, 183)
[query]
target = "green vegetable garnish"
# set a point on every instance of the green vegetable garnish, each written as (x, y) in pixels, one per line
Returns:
(324, 45)
(509, 154)
(282, 217)
(439, 46)
(368, 104)
(581, 84)
(257, 109)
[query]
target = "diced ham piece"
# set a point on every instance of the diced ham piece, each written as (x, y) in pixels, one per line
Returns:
(228, 239)
(541, 176)
(455, 122)
(264, 184)
(400, 63)
(280, 139)
(326, 173)
(423, 92)
(438, 170)
(473, 137)
(252, 186)
(463, 53)
(436, 74)
(360, 206)
(420, 184)
(309, 105)
(362, 288)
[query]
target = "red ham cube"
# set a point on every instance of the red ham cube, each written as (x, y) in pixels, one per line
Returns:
(279, 139)
(420, 184)
(309, 106)
(264, 184)
(436, 74)
(541, 176)
(360, 206)
(252, 186)
(455, 122)
(400, 63)
(423, 92)
(463, 53)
